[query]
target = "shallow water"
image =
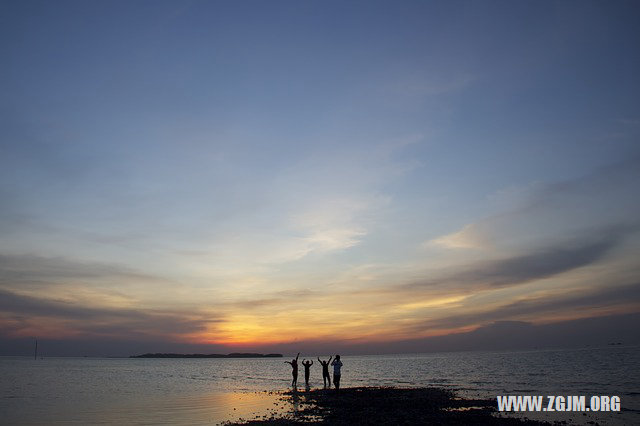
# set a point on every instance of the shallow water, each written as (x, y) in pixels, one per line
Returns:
(209, 391)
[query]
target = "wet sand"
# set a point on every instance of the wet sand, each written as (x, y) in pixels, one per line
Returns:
(384, 405)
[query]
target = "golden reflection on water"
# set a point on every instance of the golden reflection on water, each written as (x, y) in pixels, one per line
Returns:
(251, 405)
(195, 409)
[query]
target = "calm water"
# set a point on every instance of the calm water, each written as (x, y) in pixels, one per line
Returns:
(209, 391)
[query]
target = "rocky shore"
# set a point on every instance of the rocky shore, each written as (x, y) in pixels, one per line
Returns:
(385, 405)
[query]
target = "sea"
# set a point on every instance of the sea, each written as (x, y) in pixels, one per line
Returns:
(209, 391)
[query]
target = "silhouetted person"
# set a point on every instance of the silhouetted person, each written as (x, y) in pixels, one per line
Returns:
(306, 365)
(325, 371)
(294, 370)
(337, 364)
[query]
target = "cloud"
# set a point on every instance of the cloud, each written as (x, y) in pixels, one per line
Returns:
(70, 297)
(541, 284)
(31, 268)
(78, 281)
(584, 302)
(541, 216)
(326, 202)
(531, 266)
(26, 314)
(331, 223)
(603, 198)
(469, 237)
(499, 335)
(543, 263)
(303, 221)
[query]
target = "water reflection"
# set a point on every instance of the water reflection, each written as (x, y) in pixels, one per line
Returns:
(295, 402)
(208, 409)
(249, 405)
(206, 391)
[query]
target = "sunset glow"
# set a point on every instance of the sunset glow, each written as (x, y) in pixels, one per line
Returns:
(276, 175)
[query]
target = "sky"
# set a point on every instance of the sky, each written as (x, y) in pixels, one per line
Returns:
(309, 175)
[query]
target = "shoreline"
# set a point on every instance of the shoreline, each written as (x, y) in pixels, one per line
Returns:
(231, 355)
(384, 405)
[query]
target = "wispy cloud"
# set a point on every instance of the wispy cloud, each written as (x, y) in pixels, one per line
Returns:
(469, 237)
(576, 304)
(523, 268)
(599, 202)
(27, 315)
(23, 268)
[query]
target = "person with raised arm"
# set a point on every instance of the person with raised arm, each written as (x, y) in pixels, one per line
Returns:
(294, 370)
(337, 365)
(307, 365)
(325, 371)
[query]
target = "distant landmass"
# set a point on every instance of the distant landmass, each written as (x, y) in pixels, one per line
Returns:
(232, 355)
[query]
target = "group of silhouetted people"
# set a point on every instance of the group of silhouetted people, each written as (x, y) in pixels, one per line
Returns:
(337, 365)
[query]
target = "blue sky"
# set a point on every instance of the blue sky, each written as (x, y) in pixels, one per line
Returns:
(375, 169)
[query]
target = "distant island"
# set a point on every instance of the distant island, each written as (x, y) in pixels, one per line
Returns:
(232, 355)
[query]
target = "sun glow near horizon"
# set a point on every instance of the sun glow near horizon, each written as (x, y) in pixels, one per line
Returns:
(253, 179)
